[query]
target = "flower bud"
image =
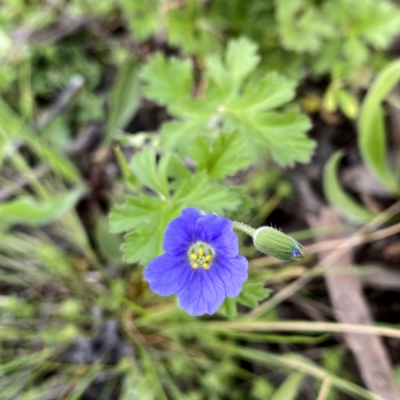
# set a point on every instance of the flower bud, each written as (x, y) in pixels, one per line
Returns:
(276, 244)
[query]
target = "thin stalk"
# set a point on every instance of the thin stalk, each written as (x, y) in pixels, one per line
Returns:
(244, 228)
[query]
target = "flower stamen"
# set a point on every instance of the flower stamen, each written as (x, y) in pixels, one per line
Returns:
(203, 254)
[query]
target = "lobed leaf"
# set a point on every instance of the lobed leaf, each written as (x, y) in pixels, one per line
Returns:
(226, 155)
(281, 134)
(272, 91)
(149, 173)
(201, 193)
(252, 293)
(232, 100)
(302, 27)
(144, 17)
(134, 212)
(167, 80)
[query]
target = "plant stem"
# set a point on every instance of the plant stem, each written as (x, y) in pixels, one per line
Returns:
(244, 228)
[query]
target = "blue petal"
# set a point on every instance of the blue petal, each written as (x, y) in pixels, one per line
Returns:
(218, 233)
(203, 294)
(181, 232)
(232, 272)
(167, 274)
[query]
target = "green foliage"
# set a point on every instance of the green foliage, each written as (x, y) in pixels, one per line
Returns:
(29, 211)
(149, 214)
(169, 81)
(65, 282)
(290, 388)
(124, 100)
(251, 294)
(338, 198)
(234, 98)
(302, 26)
(226, 155)
(372, 136)
(144, 17)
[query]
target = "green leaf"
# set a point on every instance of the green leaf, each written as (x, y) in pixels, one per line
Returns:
(180, 134)
(282, 134)
(62, 165)
(30, 211)
(272, 91)
(355, 50)
(290, 388)
(228, 308)
(235, 98)
(167, 80)
(226, 155)
(375, 21)
(201, 193)
(261, 389)
(125, 98)
(240, 60)
(252, 294)
(339, 199)
(302, 27)
(146, 242)
(372, 137)
(144, 17)
(174, 167)
(348, 103)
(134, 212)
(107, 243)
(146, 169)
(190, 29)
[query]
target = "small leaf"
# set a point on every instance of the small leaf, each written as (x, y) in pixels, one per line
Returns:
(201, 193)
(228, 308)
(348, 103)
(227, 154)
(146, 242)
(30, 211)
(261, 389)
(290, 388)
(135, 212)
(107, 243)
(167, 80)
(372, 137)
(282, 134)
(252, 294)
(145, 168)
(144, 17)
(125, 98)
(302, 27)
(180, 134)
(240, 60)
(339, 199)
(62, 165)
(264, 94)
(174, 167)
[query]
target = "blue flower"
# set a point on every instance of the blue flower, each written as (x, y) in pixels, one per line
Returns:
(201, 264)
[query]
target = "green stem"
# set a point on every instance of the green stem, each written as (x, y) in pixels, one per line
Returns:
(244, 228)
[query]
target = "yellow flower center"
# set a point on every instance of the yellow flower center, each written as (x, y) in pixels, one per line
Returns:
(201, 255)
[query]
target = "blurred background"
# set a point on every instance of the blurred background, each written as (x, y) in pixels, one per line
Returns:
(77, 321)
